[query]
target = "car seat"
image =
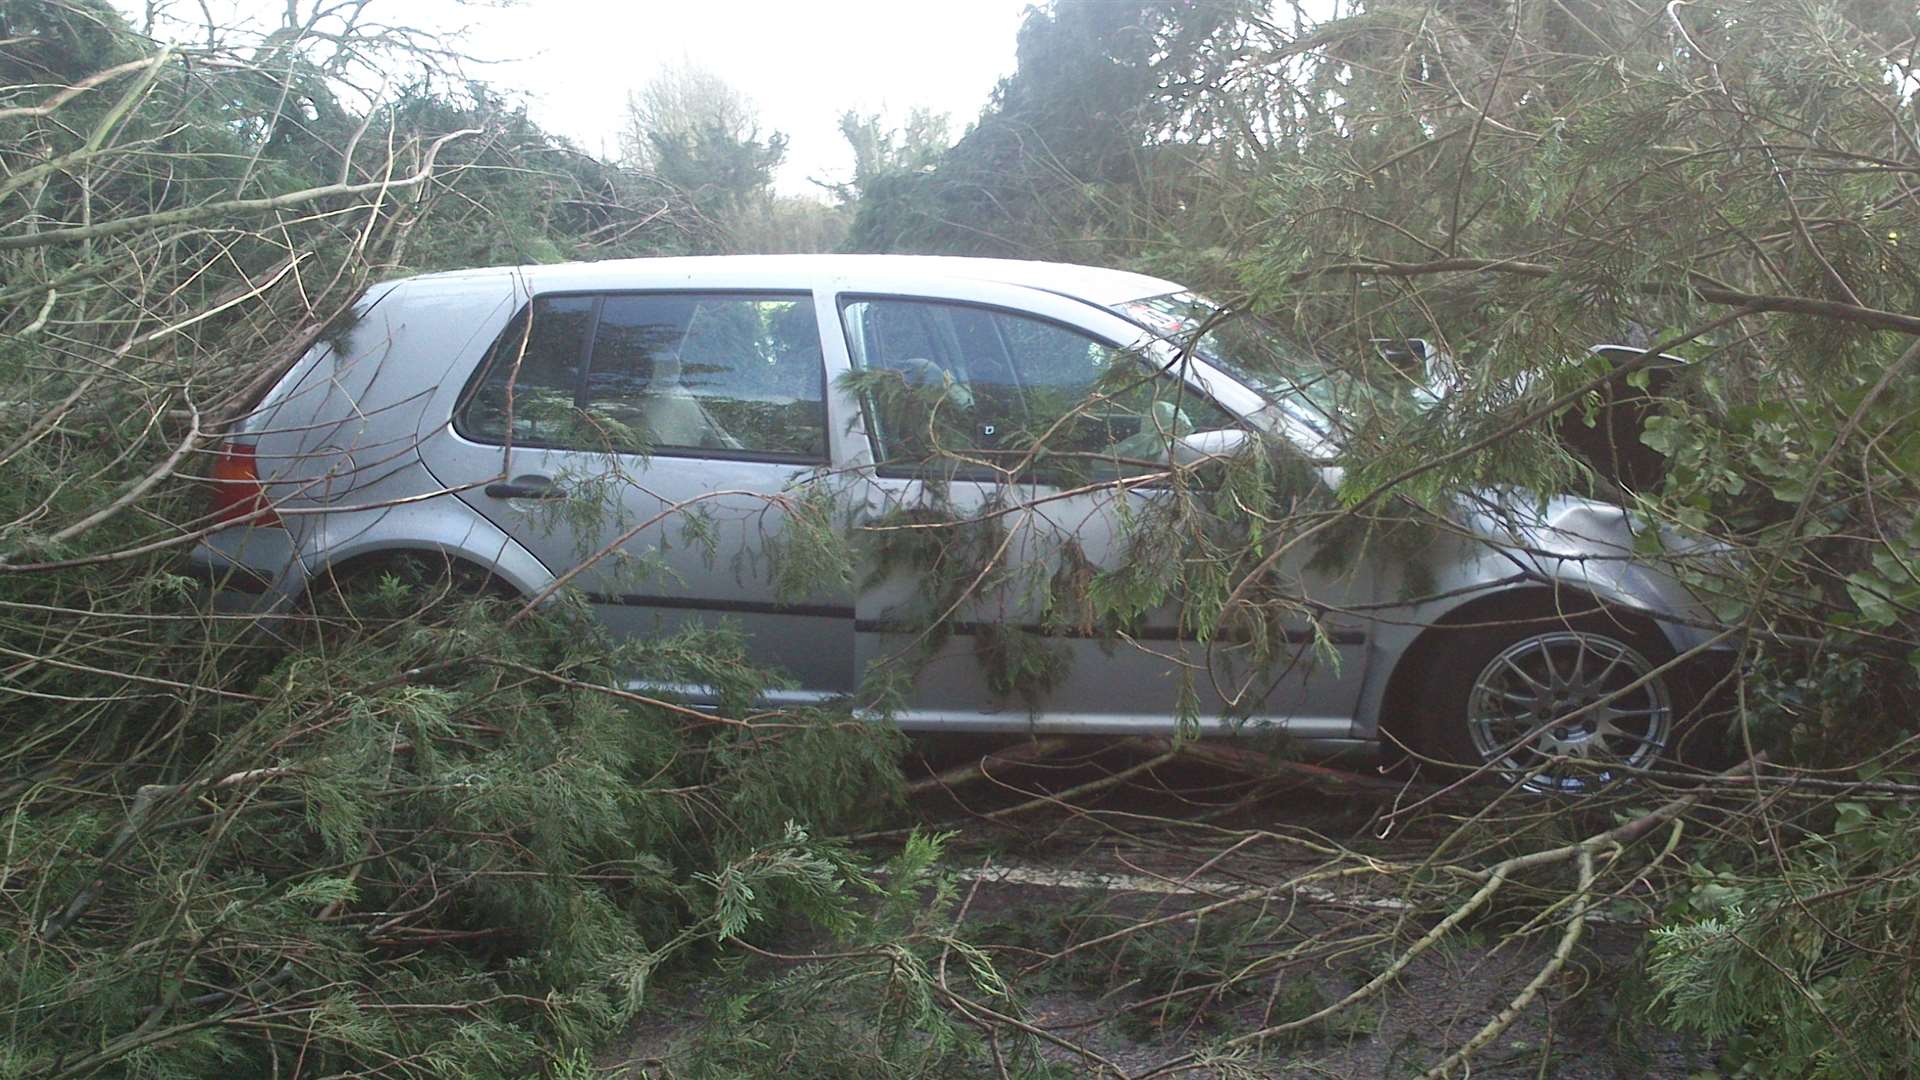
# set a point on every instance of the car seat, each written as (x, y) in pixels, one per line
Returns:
(670, 415)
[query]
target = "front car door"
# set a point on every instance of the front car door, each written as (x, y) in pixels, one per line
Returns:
(978, 549)
(651, 446)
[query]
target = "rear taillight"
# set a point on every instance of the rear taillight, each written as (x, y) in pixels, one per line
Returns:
(238, 496)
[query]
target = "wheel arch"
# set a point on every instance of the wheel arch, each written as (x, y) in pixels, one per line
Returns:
(483, 550)
(347, 567)
(1398, 711)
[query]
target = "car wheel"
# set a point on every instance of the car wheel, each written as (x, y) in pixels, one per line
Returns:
(1566, 706)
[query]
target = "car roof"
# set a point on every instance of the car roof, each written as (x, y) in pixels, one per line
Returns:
(1091, 283)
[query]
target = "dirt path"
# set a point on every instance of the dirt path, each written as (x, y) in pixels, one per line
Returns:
(1061, 880)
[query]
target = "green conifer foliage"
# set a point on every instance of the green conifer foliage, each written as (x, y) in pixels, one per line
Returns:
(405, 834)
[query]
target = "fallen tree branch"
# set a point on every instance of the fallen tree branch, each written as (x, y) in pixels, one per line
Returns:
(1088, 788)
(1492, 879)
(1576, 924)
(144, 800)
(1702, 287)
(977, 770)
(1224, 755)
(228, 209)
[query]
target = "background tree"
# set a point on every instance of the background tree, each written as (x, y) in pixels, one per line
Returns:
(700, 138)
(1096, 125)
(880, 150)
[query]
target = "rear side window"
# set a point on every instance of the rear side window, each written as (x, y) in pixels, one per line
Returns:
(720, 375)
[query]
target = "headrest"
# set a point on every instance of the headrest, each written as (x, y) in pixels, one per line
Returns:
(666, 368)
(920, 371)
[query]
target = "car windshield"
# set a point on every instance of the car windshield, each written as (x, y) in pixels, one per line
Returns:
(1309, 390)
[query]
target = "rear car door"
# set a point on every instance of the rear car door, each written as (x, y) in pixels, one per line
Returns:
(651, 446)
(954, 391)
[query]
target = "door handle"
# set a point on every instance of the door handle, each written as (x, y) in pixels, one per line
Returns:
(526, 487)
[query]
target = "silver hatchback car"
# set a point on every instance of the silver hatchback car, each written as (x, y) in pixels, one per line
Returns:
(461, 413)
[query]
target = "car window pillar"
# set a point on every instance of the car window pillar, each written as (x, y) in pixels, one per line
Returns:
(586, 352)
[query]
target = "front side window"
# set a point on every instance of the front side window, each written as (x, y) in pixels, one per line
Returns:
(1315, 393)
(983, 385)
(676, 373)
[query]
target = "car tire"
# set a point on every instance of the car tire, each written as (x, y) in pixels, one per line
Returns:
(1566, 705)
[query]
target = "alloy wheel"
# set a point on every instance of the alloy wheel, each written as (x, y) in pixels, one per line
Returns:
(1566, 711)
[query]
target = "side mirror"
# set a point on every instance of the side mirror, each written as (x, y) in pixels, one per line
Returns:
(1408, 355)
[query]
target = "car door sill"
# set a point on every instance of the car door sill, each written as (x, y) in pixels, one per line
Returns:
(695, 695)
(1018, 721)
(1314, 728)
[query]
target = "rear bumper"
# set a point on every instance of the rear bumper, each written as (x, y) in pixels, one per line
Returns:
(247, 570)
(221, 576)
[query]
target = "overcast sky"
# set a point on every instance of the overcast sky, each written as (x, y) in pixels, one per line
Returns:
(802, 62)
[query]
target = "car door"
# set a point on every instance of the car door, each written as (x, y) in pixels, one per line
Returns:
(954, 391)
(651, 447)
